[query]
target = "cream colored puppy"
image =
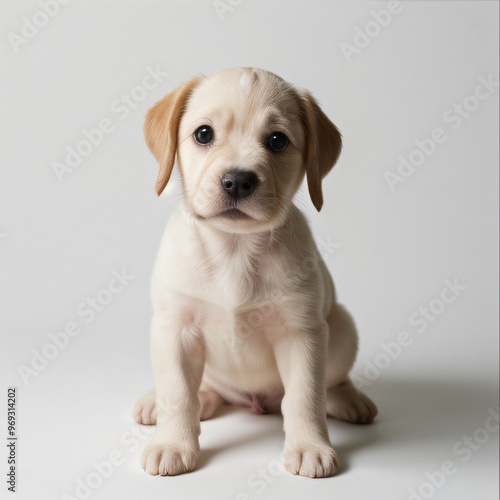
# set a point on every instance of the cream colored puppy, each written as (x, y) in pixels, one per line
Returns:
(244, 306)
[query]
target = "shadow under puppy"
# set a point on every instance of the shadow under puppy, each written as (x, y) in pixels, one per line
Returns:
(237, 248)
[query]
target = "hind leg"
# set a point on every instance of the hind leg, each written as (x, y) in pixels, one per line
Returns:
(343, 400)
(145, 411)
(210, 401)
(347, 403)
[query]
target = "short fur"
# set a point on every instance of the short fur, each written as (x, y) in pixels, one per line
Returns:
(245, 309)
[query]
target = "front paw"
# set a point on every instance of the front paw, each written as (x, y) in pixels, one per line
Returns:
(311, 460)
(169, 459)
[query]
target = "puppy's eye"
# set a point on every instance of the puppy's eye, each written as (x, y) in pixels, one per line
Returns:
(204, 134)
(277, 141)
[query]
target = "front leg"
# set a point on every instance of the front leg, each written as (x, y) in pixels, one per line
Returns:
(301, 357)
(177, 357)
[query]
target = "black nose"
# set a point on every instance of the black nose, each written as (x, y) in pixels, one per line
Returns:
(239, 184)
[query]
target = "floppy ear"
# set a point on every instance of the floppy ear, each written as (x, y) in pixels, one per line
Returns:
(323, 146)
(161, 129)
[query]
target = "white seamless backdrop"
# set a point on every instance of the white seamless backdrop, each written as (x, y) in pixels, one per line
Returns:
(409, 231)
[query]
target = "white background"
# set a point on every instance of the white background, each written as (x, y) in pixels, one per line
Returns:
(389, 252)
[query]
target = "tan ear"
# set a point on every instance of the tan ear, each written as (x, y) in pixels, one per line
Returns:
(161, 128)
(323, 146)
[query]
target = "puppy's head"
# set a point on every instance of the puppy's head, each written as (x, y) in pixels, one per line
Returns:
(243, 138)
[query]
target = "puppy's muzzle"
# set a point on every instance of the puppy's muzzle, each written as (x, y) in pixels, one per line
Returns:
(239, 183)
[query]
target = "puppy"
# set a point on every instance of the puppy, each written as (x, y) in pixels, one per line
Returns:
(244, 307)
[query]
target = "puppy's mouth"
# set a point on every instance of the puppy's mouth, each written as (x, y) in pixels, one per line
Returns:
(234, 214)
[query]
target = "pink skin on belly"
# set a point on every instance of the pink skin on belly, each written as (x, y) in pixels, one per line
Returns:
(260, 403)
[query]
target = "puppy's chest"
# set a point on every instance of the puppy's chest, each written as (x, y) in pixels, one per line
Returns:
(242, 288)
(240, 306)
(237, 282)
(237, 341)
